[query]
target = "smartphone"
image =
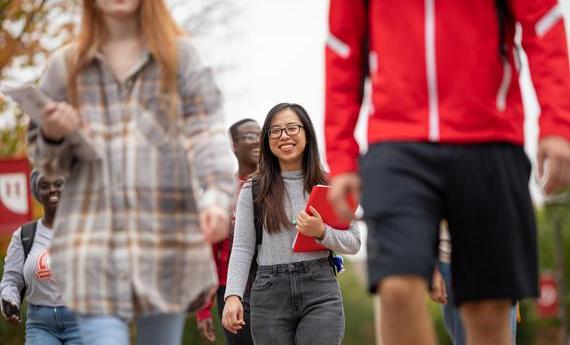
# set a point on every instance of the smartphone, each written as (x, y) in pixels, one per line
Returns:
(10, 309)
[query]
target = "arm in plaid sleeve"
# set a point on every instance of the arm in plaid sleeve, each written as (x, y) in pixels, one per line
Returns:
(204, 133)
(49, 157)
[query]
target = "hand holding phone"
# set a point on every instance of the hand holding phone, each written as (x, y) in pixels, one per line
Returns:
(10, 311)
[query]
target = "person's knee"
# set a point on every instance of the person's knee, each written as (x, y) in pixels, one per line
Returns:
(402, 292)
(486, 316)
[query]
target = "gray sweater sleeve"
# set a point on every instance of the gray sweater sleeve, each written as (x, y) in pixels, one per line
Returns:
(243, 245)
(342, 241)
(13, 276)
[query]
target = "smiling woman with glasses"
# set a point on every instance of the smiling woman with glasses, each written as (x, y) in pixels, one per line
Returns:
(292, 293)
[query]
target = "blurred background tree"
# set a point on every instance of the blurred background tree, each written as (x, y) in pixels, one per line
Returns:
(29, 31)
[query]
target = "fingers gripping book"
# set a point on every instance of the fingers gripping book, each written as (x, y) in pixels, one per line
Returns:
(319, 200)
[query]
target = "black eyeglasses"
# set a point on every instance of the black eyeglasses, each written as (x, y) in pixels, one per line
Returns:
(291, 130)
(250, 137)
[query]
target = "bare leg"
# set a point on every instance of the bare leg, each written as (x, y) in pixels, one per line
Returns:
(487, 322)
(377, 319)
(405, 318)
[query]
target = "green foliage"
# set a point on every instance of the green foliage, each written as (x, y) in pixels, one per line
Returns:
(192, 336)
(553, 213)
(11, 334)
(13, 138)
(437, 319)
(359, 314)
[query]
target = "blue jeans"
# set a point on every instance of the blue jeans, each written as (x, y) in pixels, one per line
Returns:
(451, 316)
(163, 329)
(51, 326)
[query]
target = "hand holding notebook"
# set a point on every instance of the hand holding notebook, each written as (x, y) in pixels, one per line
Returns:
(319, 201)
(32, 101)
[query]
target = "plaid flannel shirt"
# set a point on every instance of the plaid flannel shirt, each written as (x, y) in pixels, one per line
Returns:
(127, 240)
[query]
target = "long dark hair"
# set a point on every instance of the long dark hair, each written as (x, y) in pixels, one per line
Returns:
(272, 189)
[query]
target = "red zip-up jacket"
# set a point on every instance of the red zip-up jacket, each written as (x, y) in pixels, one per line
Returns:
(437, 73)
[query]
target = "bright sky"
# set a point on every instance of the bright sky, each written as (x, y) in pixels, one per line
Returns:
(276, 54)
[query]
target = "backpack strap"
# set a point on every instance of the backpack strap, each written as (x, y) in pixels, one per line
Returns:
(255, 186)
(27, 235)
(255, 191)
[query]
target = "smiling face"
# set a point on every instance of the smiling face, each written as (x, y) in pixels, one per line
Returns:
(287, 139)
(50, 189)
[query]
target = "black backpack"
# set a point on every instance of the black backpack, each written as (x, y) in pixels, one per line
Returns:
(27, 235)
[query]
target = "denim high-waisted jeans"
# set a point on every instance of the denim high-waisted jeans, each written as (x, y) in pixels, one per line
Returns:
(51, 326)
(296, 304)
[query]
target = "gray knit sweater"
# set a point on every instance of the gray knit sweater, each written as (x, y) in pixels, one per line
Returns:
(277, 248)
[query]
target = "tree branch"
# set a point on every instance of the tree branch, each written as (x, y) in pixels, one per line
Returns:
(30, 19)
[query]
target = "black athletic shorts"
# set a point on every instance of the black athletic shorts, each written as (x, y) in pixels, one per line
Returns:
(482, 191)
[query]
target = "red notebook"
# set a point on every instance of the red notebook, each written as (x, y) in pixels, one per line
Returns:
(318, 199)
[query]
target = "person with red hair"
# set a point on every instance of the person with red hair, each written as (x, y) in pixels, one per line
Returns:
(141, 213)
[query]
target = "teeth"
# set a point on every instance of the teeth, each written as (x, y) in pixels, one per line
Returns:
(53, 198)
